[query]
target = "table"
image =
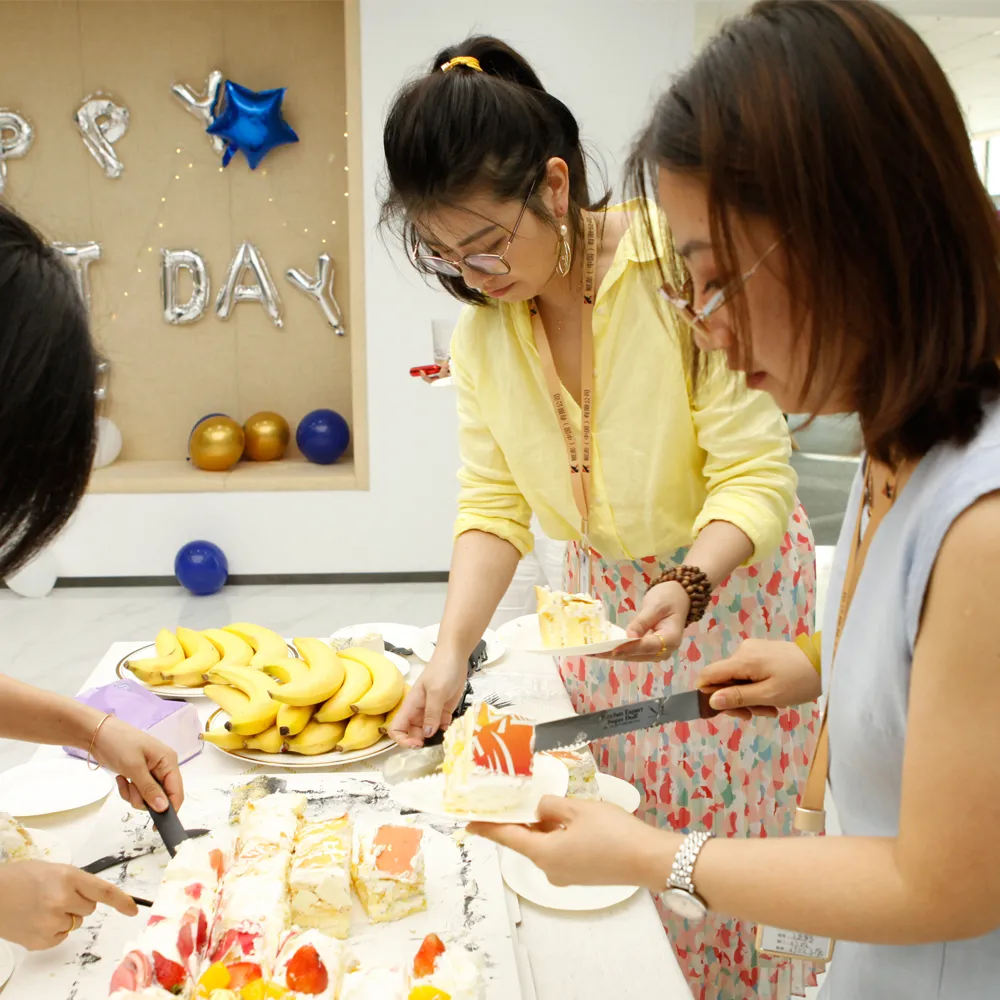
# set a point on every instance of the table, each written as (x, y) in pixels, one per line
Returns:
(620, 952)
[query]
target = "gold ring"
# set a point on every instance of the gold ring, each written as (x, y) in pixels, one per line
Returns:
(74, 917)
(663, 645)
(738, 697)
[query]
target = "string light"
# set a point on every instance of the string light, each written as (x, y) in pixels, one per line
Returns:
(177, 177)
(305, 230)
(178, 149)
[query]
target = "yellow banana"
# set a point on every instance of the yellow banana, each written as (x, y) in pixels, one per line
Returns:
(260, 711)
(292, 719)
(266, 645)
(324, 679)
(362, 731)
(229, 699)
(168, 653)
(387, 682)
(269, 741)
(235, 652)
(357, 681)
(226, 740)
(200, 654)
(317, 737)
(287, 670)
(384, 728)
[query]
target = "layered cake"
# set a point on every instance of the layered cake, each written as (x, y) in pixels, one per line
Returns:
(269, 824)
(388, 872)
(445, 973)
(15, 842)
(582, 773)
(374, 984)
(309, 964)
(319, 878)
(487, 760)
(569, 619)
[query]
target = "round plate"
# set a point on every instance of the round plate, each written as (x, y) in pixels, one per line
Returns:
(403, 636)
(166, 690)
(423, 646)
(51, 846)
(523, 635)
(6, 962)
(619, 792)
(40, 788)
(294, 761)
(426, 795)
(530, 883)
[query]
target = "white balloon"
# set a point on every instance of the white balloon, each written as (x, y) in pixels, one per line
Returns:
(102, 123)
(78, 258)
(203, 105)
(16, 137)
(262, 291)
(109, 442)
(192, 310)
(320, 289)
(37, 578)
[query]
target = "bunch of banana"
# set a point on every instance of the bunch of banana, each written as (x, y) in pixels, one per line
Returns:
(324, 701)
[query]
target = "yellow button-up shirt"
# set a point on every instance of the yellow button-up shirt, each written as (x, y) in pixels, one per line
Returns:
(668, 458)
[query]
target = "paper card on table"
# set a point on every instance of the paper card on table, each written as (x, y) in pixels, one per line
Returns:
(773, 942)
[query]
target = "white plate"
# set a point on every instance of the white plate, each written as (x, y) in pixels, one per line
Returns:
(423, 646)
(620, 793)
(530, 883)
(40, 788)
(522, 634)
(403, 636)
(51, 846)
(426, 795)
(6, 962)
(294, 761)
(443, 383)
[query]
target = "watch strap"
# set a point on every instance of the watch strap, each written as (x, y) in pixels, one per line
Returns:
(682, 871)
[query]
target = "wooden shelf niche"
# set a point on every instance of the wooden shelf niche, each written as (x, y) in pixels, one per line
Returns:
(303, 200)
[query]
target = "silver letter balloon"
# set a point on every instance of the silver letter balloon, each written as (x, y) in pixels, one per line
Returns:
(79, 257)
(263, 291)
(320, 289)
(102, 123)
(16, 137)
(203, 105)
(174, 261)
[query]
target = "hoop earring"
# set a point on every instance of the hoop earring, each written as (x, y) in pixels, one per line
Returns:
(565, 260)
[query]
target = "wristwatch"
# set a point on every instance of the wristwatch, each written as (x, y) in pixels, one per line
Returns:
(680, 895)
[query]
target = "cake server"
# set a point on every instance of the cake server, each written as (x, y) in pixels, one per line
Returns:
(169, 827)
(111, 860)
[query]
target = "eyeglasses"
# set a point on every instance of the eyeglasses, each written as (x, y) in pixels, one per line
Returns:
(484, 263)
(698, 319)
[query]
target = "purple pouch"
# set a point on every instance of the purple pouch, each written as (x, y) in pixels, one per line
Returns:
(176, 723)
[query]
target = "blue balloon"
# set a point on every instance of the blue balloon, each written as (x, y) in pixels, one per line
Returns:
(251, 121)
(201, 567)
(323, 436)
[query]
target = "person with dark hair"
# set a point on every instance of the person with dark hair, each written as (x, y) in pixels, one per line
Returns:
(576, 402)
(815, 169)
(48, 371)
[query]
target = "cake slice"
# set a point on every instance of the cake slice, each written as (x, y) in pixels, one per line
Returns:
(388, 872)
(374, 984)
(445, 973)
(319, 878)
(15, 842)
(310, 965)
(582, 773)
(487, 760)
(269, 824)
(569, 619)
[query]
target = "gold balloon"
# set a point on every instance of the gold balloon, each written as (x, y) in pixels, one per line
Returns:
(216, 443)
(267, 436)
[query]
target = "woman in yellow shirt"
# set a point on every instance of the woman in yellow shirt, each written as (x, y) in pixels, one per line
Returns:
(489, 187)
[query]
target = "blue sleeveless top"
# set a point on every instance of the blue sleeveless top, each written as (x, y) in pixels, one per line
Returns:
(869, 692)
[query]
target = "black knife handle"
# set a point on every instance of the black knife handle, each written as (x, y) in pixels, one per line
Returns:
(705, 710)
(168, 826)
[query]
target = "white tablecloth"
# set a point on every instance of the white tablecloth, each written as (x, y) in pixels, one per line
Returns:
(620, 952)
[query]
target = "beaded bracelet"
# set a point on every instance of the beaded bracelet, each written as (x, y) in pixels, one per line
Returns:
(92, 762)
(696, 585)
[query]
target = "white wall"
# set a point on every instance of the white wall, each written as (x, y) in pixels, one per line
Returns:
(403, 524)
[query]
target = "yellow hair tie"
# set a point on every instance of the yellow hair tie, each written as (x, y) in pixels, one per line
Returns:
(470, 61)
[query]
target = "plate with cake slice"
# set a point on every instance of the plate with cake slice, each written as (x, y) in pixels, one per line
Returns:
(425, 642)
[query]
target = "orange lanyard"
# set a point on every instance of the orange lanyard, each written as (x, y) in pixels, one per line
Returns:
(810, 816)
(579, 456)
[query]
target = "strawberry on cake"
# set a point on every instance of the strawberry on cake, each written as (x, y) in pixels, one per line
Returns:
(388, 872)
(310, 964)
(445, 973)
(320, 876)
(487, 760)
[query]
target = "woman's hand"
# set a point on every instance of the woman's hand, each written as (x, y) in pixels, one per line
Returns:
(775, 674)
(43, 902)
(146, 768)
(656, 631)
(589, 843)
(430, 702)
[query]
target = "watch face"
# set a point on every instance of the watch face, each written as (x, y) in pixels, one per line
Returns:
(685, 904)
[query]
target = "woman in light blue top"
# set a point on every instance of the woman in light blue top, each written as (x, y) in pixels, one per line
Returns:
(819, 183)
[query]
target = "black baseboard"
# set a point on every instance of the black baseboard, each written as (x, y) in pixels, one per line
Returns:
(259, 579)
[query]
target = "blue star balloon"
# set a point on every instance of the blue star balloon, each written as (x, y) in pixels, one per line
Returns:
(251, 121)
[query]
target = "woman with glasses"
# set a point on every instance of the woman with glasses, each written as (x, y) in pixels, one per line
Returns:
(576, 402)
(824, 137)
